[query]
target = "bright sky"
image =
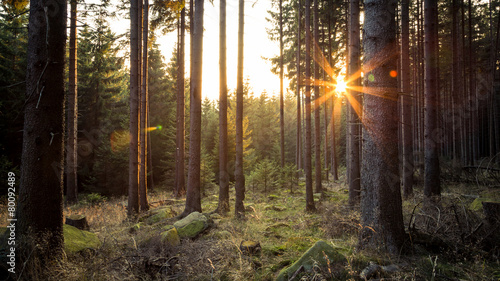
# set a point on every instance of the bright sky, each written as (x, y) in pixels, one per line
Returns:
(257, 46)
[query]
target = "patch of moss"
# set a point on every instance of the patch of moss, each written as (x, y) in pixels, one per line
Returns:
(76, 240)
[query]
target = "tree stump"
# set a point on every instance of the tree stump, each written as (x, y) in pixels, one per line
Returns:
(78, 221)
(250, 247)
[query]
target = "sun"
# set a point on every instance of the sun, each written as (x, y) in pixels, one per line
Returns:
(341, 86)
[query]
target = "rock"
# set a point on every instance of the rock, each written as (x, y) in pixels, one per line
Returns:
(171, 237)
(78, 221)
(167, 227)
(160, 215)
(215, 216)
(250, 247)
(192, 225)
(76, 240)
(377, 271)
(316, 254)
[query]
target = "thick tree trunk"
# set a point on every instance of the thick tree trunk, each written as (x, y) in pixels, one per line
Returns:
(308, 151)
(180, 187)
(72, 147)
(282, 113)
(239, 186)
(407, 100)
(431, 180)
(353, 164)
(223, 163)
(143, 173)
(317, 107)
(40, 209)
(133, 188)
(381, 206)
(193, 195)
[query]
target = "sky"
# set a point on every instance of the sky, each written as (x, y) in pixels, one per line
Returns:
(257, 47)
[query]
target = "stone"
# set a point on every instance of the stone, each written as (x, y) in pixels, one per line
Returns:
(250, 247)
(171, 237)
(78, 221)
(192, 225)
(316, 254)
(161, 214)
(76, 240)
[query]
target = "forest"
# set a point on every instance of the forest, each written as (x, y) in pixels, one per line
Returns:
(377, 159)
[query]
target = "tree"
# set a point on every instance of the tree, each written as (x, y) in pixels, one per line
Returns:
(72, 113)
(143, 172)
(353, 137)
(407, 101)
(180, 186)
(223, 163)
(381, 207)
(317, 107)
(282, 113)
(133, 189)
(193, 196)
(40, 210)
(298, 156)
(239, 208)
(431, 179)
(308, 169)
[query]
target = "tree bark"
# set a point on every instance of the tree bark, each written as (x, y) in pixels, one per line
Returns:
(299, 82)
(431, 180)
(193, 195)
(239, 208)
(40, 209)
(317, 108)
(143, 173)
(223, 163)
(353, 164)
(72, 147)
(282, 113)
(307, 161)
(407, 100)
(180, 187)
(133, 189)
(381, 206)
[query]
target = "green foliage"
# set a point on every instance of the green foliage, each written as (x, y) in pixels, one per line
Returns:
(265, 174)
(92, 198)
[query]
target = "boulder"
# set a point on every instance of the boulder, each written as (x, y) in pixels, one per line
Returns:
(192, 225)
(171, 237)
(161, 214)
(318, 254)
(76, 240)
(78, 221)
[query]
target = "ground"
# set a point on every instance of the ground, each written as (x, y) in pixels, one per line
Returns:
(132, 250)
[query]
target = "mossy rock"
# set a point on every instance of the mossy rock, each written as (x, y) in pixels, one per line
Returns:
(192, 225)
(76, 240)
(171, 237)
(167, 227)
(315, 254)
(161, 215)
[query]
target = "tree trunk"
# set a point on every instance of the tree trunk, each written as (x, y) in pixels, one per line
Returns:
(143, 173)
(353, 164)
(239, 186)
(308, 169)
(407, 101)
(180, 187)
(381, 207)
(193, 195)
(282, 113)
(299, 82)
(133, 188)
(431, 179)
(317, 107)
(40, 209)
(72, 147)
(223, 163)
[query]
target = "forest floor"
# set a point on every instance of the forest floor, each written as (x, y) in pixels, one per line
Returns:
(442, 250)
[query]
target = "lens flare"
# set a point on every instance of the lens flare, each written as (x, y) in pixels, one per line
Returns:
(149, 129)
(341, 85)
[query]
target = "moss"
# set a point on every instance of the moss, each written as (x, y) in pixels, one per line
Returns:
(171, 237)
(76, 240)
(191, 225)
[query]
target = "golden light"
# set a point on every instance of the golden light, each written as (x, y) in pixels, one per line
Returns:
(341, 86)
